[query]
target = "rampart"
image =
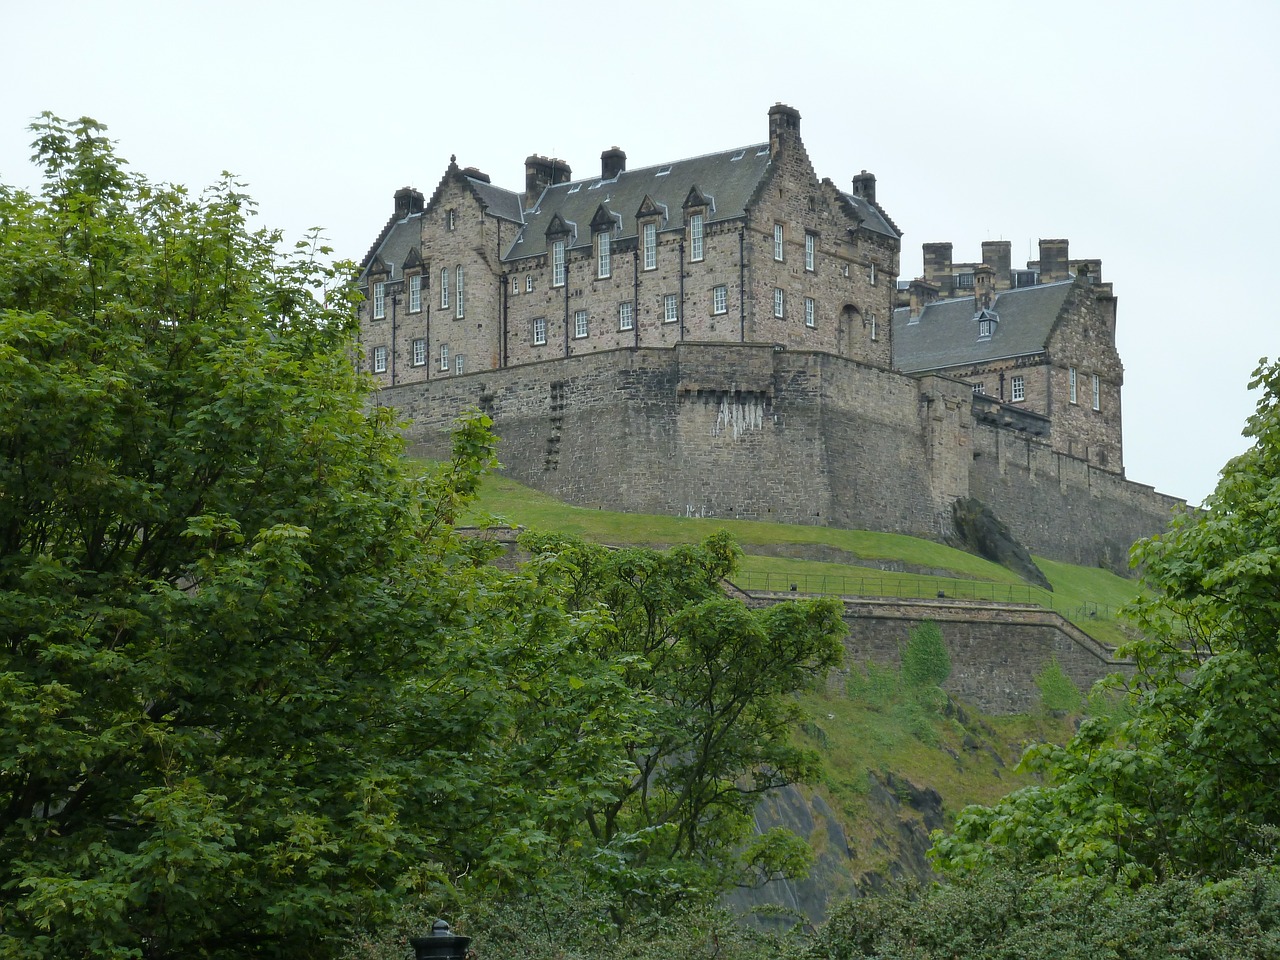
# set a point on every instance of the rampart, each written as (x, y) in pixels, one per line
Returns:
(754, 431)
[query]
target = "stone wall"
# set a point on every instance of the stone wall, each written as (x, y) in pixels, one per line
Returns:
(756, 432)
(1060, 506)
(996, 649)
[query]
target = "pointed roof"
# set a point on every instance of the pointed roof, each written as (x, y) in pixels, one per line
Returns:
(731, 176)
(945, 335)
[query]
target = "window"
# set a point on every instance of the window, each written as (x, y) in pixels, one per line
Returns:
(720, 299)
(444, 357)
(871, 274)
(379, 300)
(604, 265)
(457, 296)
(977, 388)
(528, 283)
(985, 328)
(415, 293)
(779, 302)
(379, 359)
(451, 219)
(1071, 381)
(695, 237)
(808, 312)
(539, 331)
(444, 288)
(419, 352)
(515, 286)
(777, 241)
(650, 246)
(964, 281)
(459, 364)
(1018, 389)
(810, 247)
(626, 315)
(873, 326)
(670, 308)
(557, 264)
(1097, 393)
(579, 324)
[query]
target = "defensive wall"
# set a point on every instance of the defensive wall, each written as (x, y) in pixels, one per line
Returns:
(754, 431)
(996, 649)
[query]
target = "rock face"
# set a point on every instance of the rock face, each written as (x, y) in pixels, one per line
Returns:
(896, 825)
(981, 532)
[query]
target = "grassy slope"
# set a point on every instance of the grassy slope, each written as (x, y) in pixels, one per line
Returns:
(1087, 596)
(871, 726)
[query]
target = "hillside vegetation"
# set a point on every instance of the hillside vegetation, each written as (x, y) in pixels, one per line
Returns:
(819, 559)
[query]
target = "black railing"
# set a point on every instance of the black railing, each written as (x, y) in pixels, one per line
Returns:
(920, 588)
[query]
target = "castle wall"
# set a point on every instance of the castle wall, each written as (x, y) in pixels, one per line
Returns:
(996, 650)
(751, 431)
(703, 429)
(1060, 506)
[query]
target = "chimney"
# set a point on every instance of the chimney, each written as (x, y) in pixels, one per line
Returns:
(476, 174)
(937, 266)
(784, 126)
(998, 255)
(540, 173)
(408, 200)
(864, 185)
(612, 162)
(1053, 261)
(983, 284)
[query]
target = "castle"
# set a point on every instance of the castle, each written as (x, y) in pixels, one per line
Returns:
(726, 335)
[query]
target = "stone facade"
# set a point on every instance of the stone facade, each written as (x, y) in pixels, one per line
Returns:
(717, 336)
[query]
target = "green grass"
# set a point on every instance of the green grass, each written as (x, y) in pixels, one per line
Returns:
(1089, 597)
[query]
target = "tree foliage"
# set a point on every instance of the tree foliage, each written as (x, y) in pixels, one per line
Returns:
(713, 681)
(255, 691)
(1180, 782)
(1011, 915)
(251, 687)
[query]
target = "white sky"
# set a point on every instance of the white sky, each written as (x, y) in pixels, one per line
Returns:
(1144, 132)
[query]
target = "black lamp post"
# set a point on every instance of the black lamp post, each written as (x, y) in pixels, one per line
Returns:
(440, 945)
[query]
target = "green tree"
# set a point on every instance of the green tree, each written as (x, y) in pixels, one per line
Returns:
(716, 681)
(252, 687)
(1180, 781)
(925, 661)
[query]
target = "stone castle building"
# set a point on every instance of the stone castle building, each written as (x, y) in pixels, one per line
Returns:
(726, 336)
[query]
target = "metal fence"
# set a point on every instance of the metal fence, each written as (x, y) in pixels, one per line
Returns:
(919, 587)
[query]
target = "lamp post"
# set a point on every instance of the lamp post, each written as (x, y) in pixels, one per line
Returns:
(440, 945)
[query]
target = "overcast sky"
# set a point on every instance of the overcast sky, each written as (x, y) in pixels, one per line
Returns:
(1145, 133)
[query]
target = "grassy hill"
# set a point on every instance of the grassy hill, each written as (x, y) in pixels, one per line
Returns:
(874, 737)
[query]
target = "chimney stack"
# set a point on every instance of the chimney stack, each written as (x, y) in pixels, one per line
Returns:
(864, 185)
(540, 173)
(983, 284)
(937, 266)
(922, 293)
(998, 255)
(1054, 264)
(612, 162)
(784, 126)
(408, 200)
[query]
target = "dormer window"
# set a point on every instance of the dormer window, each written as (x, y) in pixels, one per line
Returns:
(986, 328)
(415, 293)
(379, 300)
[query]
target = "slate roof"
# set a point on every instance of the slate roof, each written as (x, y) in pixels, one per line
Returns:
(946, 332)
(727, 180)
(393, 248)
(873, 218)
(499, 202)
